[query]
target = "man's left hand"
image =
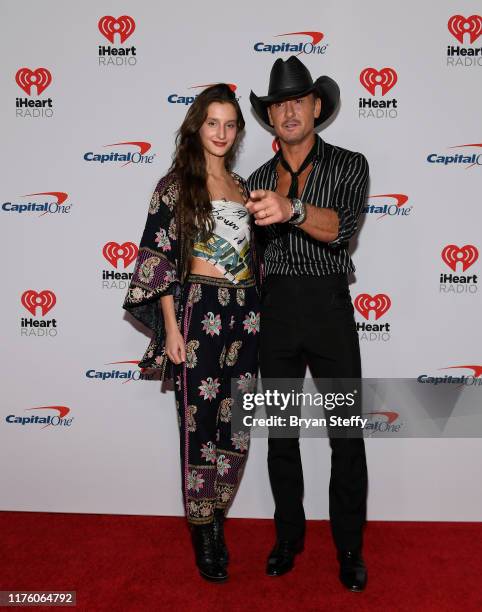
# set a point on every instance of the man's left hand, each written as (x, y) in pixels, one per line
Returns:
(268, 207)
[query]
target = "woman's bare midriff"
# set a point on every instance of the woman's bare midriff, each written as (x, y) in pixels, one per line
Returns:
(200, 266)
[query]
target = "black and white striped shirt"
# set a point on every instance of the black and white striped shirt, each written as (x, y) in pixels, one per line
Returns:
(337, 180)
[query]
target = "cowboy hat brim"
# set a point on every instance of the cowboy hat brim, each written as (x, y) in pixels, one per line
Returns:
(324, 87)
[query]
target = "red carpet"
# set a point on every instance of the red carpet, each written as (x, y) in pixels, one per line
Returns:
(141, 563)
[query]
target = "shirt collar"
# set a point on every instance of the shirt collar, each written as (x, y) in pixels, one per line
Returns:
(320, 153)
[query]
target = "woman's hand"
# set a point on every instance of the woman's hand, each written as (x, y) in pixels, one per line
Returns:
(175, 347)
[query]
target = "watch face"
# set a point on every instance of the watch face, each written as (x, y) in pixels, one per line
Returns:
(298, 211)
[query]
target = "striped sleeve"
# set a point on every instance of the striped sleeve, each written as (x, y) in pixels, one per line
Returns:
(349, 198)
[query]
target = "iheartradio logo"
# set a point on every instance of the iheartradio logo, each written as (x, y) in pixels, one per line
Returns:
(32, 300)
(386, 78)
(109, 26)
(379, 304)
(41, 78)
(114, 252)
(460, 26)
(466, 256)
(462, 258)
(383, 81)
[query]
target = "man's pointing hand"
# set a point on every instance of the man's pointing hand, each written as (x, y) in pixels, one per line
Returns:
(269, 207)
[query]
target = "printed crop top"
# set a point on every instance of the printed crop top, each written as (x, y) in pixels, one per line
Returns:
(228, 248)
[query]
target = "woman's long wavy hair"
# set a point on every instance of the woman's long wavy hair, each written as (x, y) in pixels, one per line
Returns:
(194, 213)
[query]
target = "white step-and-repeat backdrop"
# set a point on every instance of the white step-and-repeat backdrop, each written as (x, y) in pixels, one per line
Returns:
(92, 94)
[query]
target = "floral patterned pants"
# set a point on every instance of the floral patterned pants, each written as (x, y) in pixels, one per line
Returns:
(220, 326)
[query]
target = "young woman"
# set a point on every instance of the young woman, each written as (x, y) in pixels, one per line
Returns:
(194, 286)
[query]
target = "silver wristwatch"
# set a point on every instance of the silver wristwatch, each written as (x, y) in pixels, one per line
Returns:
(298, 212)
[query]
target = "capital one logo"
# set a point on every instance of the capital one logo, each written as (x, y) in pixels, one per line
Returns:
(113, 252)
(136, 157)
(40, 78)
(386, 78)
(472, 379)
(310, 48)
(44, 208)
(393, 205)
(466, 256)
(109, 26)
(379, 304)
(382, 421)
(459, 26)
(132, 373)
(467, 158)
(45, 300)
(129, 157)
(476, 369)
(60, 419)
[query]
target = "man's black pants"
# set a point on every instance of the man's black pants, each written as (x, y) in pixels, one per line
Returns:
(308, 320)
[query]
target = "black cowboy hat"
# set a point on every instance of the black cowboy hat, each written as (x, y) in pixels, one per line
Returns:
(292, 79)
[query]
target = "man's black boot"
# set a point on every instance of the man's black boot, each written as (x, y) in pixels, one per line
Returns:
(353, 572)
(281, 559)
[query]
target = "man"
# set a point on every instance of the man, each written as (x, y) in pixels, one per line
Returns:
(306, 201)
